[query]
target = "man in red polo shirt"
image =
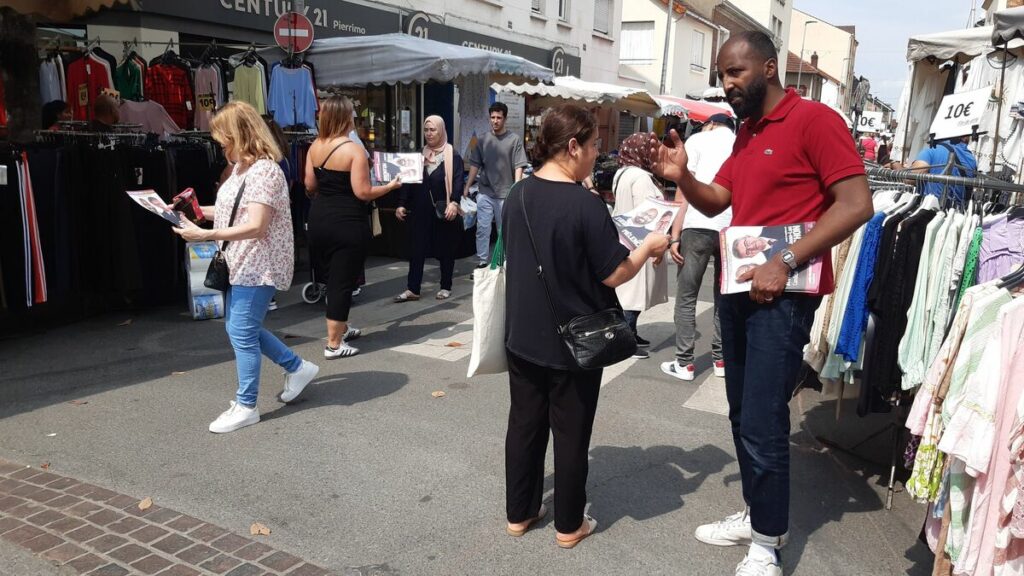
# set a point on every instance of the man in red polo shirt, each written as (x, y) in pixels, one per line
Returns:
(793, 162)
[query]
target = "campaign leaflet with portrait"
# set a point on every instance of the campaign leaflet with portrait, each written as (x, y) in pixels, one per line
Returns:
(151, 201)
(388, 165)
(745, 247)
(650, 216)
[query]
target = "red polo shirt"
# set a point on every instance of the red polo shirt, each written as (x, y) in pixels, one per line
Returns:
(782, 166)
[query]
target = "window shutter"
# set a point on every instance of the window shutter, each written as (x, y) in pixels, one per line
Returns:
(537, 6)
(603, 15)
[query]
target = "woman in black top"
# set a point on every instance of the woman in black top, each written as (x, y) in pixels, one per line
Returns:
(433, 208)
(583, 261)
(338, 228)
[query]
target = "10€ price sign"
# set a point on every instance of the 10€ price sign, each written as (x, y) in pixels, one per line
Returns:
(960, 113)
(870, 122)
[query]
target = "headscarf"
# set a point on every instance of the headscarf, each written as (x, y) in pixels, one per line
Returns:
(636, 151)
(445, 149)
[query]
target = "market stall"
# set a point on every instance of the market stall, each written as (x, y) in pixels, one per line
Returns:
(618, 108)
(960, 61)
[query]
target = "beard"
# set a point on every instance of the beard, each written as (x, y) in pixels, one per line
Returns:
(751, 100)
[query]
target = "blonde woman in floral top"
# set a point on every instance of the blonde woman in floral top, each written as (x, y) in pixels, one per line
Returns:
(259, 254)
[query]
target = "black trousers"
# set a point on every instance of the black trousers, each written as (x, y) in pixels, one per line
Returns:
(563, 402)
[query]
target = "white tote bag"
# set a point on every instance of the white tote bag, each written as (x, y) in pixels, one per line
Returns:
(488, 355)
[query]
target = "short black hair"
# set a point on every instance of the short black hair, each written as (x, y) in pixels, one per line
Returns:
(761, 43)
(498, 107)
(51, 112)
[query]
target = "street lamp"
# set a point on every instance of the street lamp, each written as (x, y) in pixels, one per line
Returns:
(803, 41)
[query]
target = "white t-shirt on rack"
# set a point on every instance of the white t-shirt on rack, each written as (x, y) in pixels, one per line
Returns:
(707, 151)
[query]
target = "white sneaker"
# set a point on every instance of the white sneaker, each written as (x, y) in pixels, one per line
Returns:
(674, 370)
(357, 291)
(296, 382)
(272, 306)
(759, 566)
(731, 531)
(719, 368)
(351, 334)
(343, 351)
(235, 417)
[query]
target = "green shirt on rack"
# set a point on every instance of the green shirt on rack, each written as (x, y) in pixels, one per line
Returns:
(128, 81)
(971, 266)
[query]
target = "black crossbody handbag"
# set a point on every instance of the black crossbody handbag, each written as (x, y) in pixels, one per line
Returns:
(594, 340)
(218, 277)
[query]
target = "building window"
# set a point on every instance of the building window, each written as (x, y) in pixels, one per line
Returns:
(537, 6)
(777, 30)
(697, 51)
(637, 43)
(563, 10)
(603, 16)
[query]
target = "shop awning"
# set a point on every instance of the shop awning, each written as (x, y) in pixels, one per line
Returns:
(1007, 25)
(960, 45)
(62, 10)
(571, 89)
(691, 109)
(400, 58)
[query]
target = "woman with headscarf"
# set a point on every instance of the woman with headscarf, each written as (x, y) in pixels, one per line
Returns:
(433, 210)
(633, 184)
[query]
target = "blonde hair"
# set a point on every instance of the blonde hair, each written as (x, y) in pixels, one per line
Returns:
(239, 125)
(336, 117)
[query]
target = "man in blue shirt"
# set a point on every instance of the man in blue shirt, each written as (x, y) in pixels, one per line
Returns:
(964, 165)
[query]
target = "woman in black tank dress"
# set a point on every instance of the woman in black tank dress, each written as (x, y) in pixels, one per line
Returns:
(339, 225)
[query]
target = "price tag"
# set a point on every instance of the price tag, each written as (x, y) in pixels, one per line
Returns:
(960, 113)
(206, 102)
(870, 122)
(83, 94)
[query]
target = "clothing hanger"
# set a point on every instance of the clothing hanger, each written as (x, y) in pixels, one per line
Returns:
(1013, 279)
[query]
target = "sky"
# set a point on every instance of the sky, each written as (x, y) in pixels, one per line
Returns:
(883, 28)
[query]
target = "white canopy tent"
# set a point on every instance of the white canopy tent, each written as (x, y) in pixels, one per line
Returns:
(401, 58)
(571, 89)
(929, 56)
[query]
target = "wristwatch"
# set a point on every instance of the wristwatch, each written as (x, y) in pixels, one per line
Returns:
(789, 259)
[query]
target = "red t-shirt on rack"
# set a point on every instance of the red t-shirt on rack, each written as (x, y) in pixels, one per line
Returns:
(86, 79)
(781, 168)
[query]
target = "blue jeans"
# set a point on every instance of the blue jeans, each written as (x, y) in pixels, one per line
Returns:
(762, 345)
(488, 210)
(245, 307)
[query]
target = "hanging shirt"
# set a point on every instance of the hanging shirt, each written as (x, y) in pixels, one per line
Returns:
(170, 87)
(86, 79)
(292, 98)
(249, 87)
(49, 82)
(3, 109)
(128, 80)
(150, 115)
(209, 95)
(1002, 247)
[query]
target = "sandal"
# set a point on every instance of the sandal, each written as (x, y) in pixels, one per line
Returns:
(406, 296)
(517, 532)
(444, 294)
(571, 543)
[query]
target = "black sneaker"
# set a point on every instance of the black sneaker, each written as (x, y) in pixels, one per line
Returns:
(641, 354)
(642, 343)
(482, 265)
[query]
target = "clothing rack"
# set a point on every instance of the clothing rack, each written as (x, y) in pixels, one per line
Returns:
(59, 136)
(980, 181)
(48, 44)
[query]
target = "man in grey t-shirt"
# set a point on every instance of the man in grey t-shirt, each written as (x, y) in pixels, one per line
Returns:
(499, 159)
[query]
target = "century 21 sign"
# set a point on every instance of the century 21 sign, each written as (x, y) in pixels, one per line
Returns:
(274, 9)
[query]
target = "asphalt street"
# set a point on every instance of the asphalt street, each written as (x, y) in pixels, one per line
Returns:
(370, 473)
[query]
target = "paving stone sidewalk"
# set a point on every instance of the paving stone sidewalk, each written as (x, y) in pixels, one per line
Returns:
(87, 529)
